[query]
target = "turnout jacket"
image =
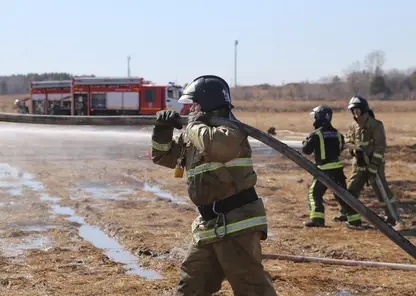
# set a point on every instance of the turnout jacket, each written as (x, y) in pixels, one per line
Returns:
(368, 133)
(327, 144)
(218, 165)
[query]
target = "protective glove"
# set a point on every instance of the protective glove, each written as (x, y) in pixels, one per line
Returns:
(359, 154)
(169, 118)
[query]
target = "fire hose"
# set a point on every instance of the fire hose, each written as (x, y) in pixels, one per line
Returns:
(302, 259)
(268, 140)
(311, 168)
(377, 183)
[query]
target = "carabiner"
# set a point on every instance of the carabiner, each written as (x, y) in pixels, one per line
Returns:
(219, 215)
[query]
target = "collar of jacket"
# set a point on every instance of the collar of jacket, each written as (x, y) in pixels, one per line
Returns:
(362, 120)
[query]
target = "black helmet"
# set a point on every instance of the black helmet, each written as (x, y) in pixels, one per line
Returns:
(210, 91)
(321, 114)
(359, 102)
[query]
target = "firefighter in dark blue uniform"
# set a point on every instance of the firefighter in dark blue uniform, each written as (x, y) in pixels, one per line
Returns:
(326, 143)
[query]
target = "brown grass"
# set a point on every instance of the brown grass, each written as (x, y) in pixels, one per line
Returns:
(269, 105)
(7, 103)
(157, 229)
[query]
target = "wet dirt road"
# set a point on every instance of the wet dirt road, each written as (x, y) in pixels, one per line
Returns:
(83, 211)
(46, 172)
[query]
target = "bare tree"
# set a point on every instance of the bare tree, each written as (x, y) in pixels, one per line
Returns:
(351, 77)
(374, 62)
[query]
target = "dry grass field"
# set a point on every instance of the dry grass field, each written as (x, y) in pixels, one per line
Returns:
(149, 223)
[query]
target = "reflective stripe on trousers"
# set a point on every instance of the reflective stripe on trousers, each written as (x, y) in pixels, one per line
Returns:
(211, 166)
(359, 143)
(313, 213)
(230, 228)
(354, 217)
(331, 166)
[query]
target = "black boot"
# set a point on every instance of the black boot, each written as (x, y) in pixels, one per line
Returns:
(340, 218)
(389, 220)
(315, 222)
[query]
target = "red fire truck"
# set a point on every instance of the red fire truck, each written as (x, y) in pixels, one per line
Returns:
(104, 96)
(50, 97)
(123, 96)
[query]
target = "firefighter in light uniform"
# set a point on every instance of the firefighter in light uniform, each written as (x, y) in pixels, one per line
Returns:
(221, 180)
(327, 144)
(367, 133)
(21, 107)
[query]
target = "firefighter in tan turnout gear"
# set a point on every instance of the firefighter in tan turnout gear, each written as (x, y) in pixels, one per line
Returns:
(367, 133)
(220, 180)
(326, 143)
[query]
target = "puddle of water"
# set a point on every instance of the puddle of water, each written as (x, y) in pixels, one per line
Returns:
(20, 180)
(99, 239)
(63, 210)
(12, 188)
(30, 227)
(59, 210)
(343, 293)
(7, 203)
(39, 228)
(10, 249)
(115, 251)
(49, 198)
(103, 190)
(93, 234)
(104, 193)
(163, 194)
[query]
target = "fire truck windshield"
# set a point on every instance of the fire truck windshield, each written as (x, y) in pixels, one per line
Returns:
(174, 92)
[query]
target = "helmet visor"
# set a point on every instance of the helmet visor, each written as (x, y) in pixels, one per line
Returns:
(188, 93)
(186, 99)
(312, 116)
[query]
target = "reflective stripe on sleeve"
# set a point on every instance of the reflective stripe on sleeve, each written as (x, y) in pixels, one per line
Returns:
(161, 147)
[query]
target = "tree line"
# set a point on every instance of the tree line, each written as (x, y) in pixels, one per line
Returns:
(367, 78)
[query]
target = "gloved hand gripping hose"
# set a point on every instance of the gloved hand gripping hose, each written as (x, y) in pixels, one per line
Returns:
(272, 142)
(311, 168)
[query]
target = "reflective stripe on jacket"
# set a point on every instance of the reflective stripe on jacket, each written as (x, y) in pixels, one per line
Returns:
(218, 165)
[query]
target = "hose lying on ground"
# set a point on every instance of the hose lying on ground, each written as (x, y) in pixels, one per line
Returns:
(311, 168)
(270, 141)
(302, 259)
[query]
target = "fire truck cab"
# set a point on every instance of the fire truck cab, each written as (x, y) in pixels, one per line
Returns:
(50, 97)
(123, 96)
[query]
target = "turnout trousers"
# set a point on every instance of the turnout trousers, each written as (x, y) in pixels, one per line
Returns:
(360, 177)
(317, 191)
(236, 258)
